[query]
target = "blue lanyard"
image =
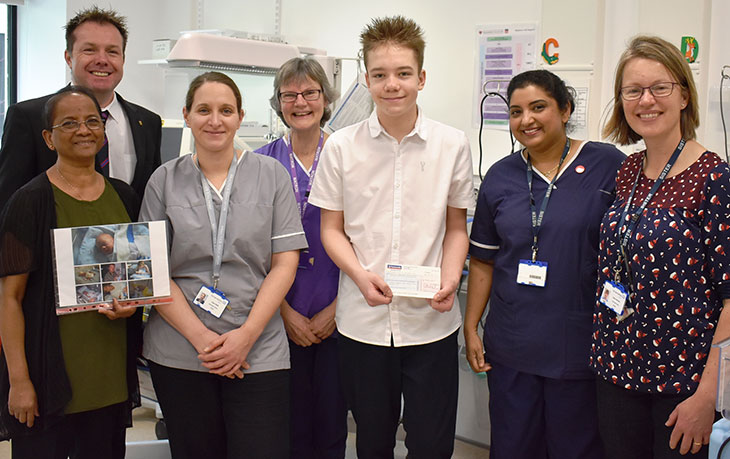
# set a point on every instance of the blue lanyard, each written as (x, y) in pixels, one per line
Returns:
(626, 230)
(636, 215)
(218, 228)
(303, 200)
(537, 217)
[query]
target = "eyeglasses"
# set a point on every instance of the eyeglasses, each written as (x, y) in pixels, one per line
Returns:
(656, 90)
(309, 94)
(93, 124)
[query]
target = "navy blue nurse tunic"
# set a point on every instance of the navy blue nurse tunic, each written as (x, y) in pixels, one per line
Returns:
(544, 331)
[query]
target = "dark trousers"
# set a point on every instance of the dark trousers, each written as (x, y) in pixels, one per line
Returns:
(534, 417)
(632, 423)
(375, 377)
(210, 416)
(318, 422)
(87, 435)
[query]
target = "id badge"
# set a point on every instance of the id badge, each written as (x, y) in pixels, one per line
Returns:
(614, 297)
(532, 273)
(306, 260)
(212, 300)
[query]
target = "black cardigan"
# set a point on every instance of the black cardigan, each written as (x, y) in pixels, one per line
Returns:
(25, 247)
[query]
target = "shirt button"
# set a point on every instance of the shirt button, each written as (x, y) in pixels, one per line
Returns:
(395, 246)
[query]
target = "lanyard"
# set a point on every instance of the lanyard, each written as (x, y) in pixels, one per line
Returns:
(303, 200)
(537, 217)
(636, 215)
(218, 229)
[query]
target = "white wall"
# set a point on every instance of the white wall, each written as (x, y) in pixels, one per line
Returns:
(40, 48)
(591, 33)
(669, 19)
(716, 57)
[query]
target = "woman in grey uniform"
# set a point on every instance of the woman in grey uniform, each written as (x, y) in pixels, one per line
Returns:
(220, 364)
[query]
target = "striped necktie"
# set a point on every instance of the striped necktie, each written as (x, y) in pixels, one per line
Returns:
(103, 154)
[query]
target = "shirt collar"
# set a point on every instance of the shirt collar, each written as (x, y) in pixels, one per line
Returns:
(114, 109)
(419, 128)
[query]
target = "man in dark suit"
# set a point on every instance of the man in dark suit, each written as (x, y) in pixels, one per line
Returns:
(95, 43)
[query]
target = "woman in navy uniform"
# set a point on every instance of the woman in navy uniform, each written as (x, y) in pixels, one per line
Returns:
(533, 246)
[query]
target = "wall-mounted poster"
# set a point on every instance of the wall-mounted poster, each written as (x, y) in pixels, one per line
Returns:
(503, 51)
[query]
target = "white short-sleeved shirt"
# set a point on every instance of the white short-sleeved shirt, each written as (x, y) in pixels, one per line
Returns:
(394, 198)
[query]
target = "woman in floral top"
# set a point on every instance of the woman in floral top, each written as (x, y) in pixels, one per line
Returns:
(663, 262)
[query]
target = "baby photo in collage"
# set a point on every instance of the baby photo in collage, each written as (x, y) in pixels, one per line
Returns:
(111, 243)
(112, 262)
(113, 281)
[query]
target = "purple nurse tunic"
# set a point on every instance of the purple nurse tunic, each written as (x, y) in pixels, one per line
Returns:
(315, 286)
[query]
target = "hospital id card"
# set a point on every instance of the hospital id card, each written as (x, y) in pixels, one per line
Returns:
(412, 280)
(212, 300)
(614, 297)
(532, 273)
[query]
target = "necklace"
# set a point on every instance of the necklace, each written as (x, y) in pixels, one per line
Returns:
(555, 169)
(76, 191)
(550, 172)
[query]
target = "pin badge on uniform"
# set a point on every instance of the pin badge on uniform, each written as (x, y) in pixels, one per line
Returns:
(580, 169)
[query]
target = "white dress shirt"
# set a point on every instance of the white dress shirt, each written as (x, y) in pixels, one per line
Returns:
(122, 157)
(394, 198)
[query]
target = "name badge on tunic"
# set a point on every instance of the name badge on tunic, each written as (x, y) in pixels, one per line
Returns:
(614, 298)
(532, 273)
(212, 300)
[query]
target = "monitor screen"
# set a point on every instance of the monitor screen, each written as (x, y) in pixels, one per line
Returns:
(176, 140)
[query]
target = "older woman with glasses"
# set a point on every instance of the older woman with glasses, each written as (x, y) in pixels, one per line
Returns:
(68, 383)
(318, 424)
(663, 279)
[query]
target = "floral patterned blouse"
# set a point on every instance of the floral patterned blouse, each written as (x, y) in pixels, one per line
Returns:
(679, 260)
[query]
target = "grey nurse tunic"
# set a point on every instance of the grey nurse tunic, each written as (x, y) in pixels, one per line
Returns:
(262, 219)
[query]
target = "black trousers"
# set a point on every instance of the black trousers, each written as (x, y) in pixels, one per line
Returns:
(632, 426)
(210, 416)
(375, 377)
(87, 435)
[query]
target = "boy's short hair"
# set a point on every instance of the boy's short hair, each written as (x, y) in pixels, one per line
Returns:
(395, 30)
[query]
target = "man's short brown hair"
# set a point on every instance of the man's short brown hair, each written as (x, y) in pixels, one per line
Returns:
(100, 16)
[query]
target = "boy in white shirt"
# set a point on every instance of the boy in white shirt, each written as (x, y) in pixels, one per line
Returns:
(394, 189)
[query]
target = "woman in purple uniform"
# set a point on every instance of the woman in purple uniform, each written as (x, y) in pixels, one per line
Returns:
(318, 420)
(664, 262)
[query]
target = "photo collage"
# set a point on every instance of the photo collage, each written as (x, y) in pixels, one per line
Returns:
(112, 262)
